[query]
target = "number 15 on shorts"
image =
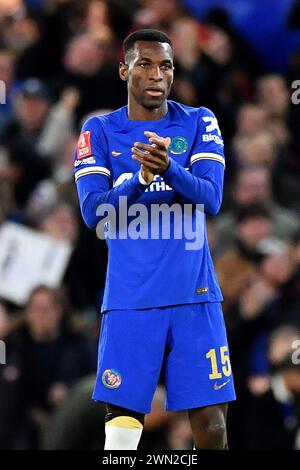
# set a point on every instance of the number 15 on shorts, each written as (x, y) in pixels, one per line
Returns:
(220, 363)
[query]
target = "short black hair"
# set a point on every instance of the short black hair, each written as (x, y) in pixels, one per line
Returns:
(151, 35)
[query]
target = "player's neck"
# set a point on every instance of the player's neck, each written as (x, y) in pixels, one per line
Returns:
(137, 112)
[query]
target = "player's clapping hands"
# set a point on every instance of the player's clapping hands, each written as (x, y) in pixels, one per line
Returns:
(153, 156)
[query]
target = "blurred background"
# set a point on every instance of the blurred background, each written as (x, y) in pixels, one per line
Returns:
(59, 63)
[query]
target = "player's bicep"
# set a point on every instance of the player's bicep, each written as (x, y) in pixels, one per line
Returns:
(207, 160)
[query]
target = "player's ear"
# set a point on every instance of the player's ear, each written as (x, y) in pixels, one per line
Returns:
(123, 71)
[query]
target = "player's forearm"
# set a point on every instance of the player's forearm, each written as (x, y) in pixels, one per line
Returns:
(93, 197)
(197, 190)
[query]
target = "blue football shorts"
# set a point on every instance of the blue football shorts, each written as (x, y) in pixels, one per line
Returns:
(187, 342)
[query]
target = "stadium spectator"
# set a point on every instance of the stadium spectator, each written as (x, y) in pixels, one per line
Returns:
(7, 197)
(4, 322)
(191, 81)
(36, 135)
(236, 266)
(273, 419)
(157, 14)
(253, 185)
(273, 94)
(75, 424)
(46, 356)
(60, 223)
(72, 49)
(89, 68)
(7, 64)
(258, 149)
(251, 119)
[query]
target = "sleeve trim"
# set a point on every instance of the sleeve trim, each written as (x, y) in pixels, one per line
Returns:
(207, 156)
(100, 170)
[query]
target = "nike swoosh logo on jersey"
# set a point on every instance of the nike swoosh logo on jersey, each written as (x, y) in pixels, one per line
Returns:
(116, 154)
(218, 387)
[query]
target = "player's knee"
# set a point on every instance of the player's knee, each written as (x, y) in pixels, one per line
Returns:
(209, 427)
(217, 431)
(124, 417)
(215, 435)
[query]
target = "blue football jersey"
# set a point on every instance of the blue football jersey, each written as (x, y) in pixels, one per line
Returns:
(152, 269)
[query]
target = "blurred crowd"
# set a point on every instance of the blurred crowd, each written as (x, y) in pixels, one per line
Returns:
(59, 62)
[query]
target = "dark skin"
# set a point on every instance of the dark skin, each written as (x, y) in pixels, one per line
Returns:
(149, 74)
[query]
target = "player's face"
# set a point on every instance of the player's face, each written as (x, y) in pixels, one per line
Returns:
(150, 73)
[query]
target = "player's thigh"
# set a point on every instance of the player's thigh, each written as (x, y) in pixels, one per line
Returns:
(131, 350)
(198, 371)
(203, 417)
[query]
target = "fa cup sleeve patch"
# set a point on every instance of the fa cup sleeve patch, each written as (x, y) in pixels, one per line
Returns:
(84, 148)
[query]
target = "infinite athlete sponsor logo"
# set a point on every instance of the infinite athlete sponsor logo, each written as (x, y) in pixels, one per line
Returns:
(157, 185)
(85, 161)
(111, 378)
(219, 386)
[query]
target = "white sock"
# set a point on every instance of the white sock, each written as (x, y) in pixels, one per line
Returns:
(122, 433)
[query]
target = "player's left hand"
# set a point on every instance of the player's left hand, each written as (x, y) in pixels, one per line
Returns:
(154, 156)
